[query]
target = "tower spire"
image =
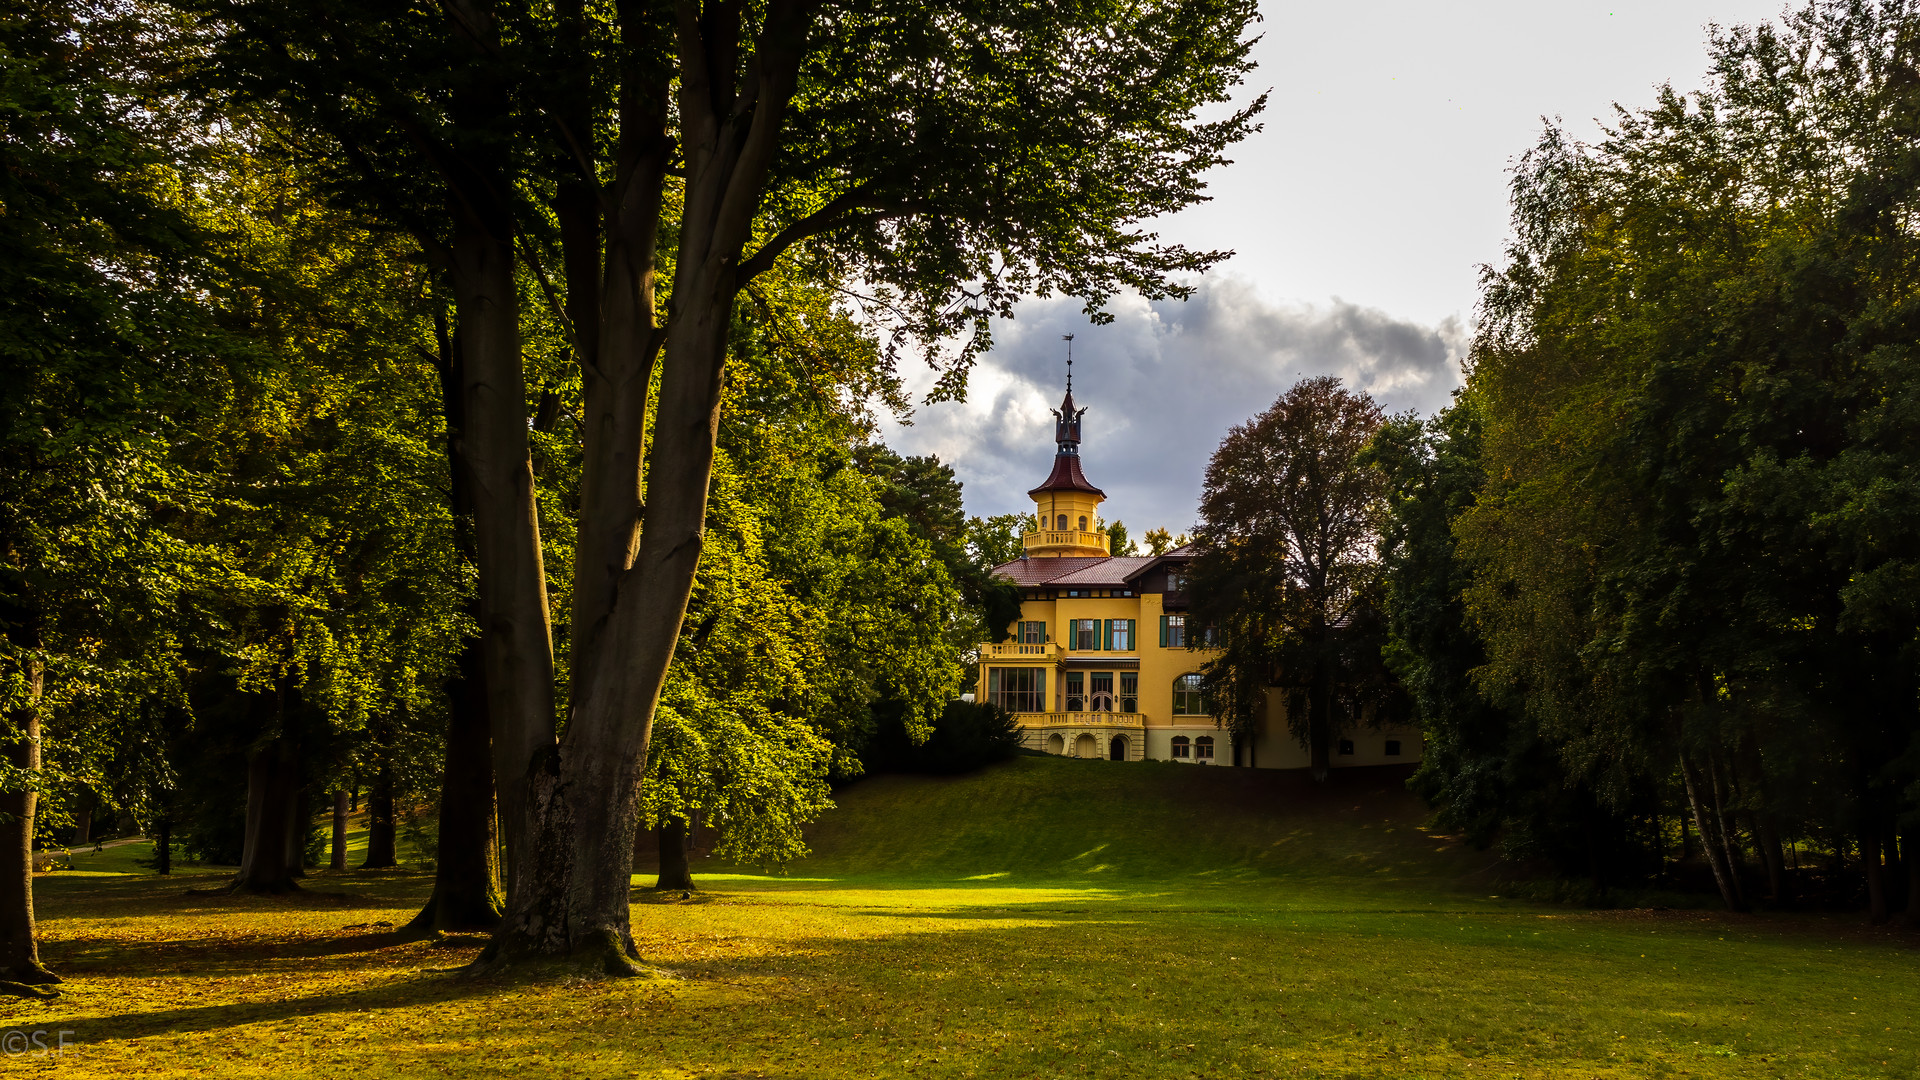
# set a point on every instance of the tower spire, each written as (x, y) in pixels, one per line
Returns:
(1066, 507)
(1066, 431)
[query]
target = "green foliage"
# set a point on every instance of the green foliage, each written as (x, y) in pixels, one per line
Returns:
(824, 597)
(1160, 541)
(1686, 553)
(1286, 571)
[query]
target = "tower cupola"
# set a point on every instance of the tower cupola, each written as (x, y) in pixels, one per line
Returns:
(1065, 505)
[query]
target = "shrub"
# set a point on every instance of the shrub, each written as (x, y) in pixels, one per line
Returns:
(968, 735)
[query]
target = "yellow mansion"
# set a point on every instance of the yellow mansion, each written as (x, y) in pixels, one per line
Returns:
(1098, 664)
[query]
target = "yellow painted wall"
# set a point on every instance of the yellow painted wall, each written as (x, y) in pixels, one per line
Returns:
(1075, 504)
(1158, 666)
(1274, 747)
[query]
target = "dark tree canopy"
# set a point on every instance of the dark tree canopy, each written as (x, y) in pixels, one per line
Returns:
(1287, 573)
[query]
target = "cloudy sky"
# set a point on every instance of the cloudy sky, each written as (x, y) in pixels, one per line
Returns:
(1359, 217)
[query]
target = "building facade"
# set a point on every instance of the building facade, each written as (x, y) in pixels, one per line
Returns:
(1104, 660)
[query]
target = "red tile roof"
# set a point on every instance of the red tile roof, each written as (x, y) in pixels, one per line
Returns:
(1089, 570)
(1040, 571)
(1109, 571)
(1066, 476)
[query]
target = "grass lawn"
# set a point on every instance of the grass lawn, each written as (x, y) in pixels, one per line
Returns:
(1046, 918)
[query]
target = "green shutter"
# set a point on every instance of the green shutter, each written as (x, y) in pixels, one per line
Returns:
(1163, 631)
(1108, 635)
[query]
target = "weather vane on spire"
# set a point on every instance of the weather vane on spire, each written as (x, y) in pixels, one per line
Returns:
(1068, 338)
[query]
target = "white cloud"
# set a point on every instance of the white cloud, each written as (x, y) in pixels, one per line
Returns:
(1161, 385)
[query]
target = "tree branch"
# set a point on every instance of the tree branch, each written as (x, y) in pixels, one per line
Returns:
(837, 214)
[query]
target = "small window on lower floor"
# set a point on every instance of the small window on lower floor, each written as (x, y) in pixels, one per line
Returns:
(1393, 747)
(1203, 747)
(1346, 746)
(1181, 747)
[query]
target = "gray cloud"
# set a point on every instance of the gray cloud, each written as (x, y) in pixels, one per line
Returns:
(1162, 383)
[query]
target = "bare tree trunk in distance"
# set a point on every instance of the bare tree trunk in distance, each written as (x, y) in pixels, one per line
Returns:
(19, 942)
(1722, 875)
(163, 845)
(299, 824)
(1876, 877)
(1768, 841)
(1723, 831)
(272, 800)
(381, 853)
(339, 861)
(674, 872)
(1320, 725)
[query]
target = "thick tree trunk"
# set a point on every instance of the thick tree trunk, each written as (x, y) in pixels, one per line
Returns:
(516, 633)
(1767, 838)
(1715, 853)
(1877, 912)
(19, 942)
(163, 845)
(614, 319)
(381, 853)
(339, 861)
(584, 808)
(674, 872)
(273, 790)
(1320, 726)
(299, 825)
(466, 872)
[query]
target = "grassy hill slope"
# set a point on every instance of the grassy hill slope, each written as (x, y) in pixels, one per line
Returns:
(1054, 819)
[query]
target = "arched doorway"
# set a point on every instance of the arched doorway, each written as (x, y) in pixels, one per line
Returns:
(1056, 744)
(1117, 748)
(1086, 746)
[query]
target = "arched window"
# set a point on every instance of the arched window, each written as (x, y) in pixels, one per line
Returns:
(1181, 747)
(1062, 526)
(1056, 744)
(1083, 523)
(1203, 748)
(1186, 697)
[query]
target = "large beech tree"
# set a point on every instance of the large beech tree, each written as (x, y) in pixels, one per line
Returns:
(1287, 573)
(952, 156)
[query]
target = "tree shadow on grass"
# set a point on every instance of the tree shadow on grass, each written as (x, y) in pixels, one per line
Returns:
(230, 954)
(200, 895)
(424, 988)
